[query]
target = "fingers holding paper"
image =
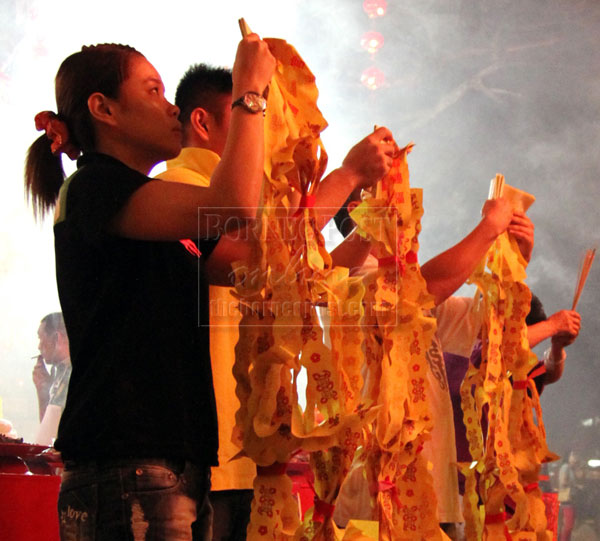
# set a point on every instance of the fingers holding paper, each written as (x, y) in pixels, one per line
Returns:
(371, 158)
(497, 215)
(522, 229)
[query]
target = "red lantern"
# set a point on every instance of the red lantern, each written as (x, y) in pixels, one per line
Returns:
(372, 78)
(375, 8)
(371, 41)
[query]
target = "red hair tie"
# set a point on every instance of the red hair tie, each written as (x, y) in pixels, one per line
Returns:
(58, 133)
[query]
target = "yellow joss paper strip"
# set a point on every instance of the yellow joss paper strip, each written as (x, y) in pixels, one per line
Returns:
(397, 338)
(280, 331)
(274, 513)
(270, 343)
(508, 455)
(360, 530)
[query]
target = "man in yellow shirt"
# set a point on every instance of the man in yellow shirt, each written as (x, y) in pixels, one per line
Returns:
(205, 100)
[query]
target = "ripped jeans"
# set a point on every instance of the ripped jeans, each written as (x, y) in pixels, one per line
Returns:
(135, 500)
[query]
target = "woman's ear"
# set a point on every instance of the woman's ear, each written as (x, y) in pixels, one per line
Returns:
(199, 123)
(100, 108)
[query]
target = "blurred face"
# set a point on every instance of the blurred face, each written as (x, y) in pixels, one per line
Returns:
(47, 344)
(146, 123)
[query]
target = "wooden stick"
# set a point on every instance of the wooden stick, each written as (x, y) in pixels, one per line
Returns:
(586, 265)
(496, 186)
(244, 28)
(500, 185)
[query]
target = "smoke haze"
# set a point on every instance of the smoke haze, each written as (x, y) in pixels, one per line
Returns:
(481, 87)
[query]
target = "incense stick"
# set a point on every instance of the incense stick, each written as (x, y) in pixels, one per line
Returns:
(586, 265)
(496, 185)
(244, 28)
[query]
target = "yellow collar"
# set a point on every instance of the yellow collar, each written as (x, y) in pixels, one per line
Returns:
(201, 160)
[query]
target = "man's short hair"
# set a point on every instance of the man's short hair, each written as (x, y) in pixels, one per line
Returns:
(54, 322)
(201, 86)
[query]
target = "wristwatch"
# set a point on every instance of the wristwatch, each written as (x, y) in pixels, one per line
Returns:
(252, 102)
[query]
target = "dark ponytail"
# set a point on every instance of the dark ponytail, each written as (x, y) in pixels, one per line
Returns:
(44, 176)
(96, 68)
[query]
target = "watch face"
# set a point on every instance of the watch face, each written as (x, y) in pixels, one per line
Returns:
(254, 102)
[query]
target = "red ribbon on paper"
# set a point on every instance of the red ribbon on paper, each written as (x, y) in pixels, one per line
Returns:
(323, 510)
(499, 518)
(306, 202)
(389, 261)
(522, 383)
(385, 486)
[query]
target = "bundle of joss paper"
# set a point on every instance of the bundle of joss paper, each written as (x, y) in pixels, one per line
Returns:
(361, 403)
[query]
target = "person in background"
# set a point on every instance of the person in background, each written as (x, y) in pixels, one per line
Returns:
(204, 97)
(562, 327)
(51, 387)
(569, 485)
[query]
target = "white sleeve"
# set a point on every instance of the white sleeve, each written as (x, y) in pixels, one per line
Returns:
(458, 325)
(354, 500)
(46, 432)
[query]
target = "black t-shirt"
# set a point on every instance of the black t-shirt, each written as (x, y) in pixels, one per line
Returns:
(137, 318)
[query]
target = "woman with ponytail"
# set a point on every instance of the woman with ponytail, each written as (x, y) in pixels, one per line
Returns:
(70, 131)
(138, 434)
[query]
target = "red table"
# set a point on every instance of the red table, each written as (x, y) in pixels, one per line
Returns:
(29, 484)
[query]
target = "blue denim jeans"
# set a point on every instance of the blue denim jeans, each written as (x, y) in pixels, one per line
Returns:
(135, 500)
